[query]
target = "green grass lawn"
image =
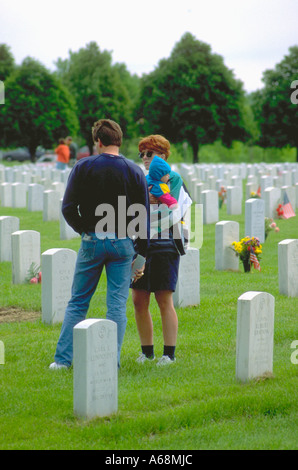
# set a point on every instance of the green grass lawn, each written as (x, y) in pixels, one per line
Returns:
(193, 404)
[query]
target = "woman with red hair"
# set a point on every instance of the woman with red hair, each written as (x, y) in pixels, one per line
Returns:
(161, 269)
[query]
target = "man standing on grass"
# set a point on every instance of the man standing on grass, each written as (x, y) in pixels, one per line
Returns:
(91, 207)
(73, 149)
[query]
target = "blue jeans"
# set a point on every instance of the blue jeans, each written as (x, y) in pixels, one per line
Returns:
(116, 255)
(61, 166)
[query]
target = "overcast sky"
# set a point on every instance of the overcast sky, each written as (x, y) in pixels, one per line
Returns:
(251, 36)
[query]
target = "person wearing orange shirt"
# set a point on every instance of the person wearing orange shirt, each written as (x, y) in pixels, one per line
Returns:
(63, 155)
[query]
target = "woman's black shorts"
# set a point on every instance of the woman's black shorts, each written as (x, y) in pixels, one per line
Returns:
(161, 272)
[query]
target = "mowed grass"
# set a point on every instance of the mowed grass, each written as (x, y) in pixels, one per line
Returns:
(191, 405)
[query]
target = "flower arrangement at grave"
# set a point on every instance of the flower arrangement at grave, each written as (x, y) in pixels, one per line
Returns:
(222, 194)
(249, 250)
(34, 274)
(280, 211)
(256, 194)
(269, 226)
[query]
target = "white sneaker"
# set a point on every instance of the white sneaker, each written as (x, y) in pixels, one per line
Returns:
(143, 358)
(165, 360)
(56, 366)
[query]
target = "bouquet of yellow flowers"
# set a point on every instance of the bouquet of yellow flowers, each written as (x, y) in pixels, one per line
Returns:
(249, 250)
(253, 194)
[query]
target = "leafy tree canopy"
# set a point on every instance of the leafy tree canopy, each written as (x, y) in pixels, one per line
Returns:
(100, 89)
(7, 63)
(38, 109)
(273, 106)
(192, 96)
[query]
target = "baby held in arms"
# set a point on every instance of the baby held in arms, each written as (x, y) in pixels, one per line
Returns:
(159, 174)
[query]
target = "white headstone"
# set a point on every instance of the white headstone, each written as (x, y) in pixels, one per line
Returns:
(65, 175)
(19, 195)
(226, 232)
(252, 179)
(199, 187)
(2, 353)
(8, 225)
(51, 205)
(35, 197)
(188, 285)
(250, 188)
(16, 175)
(25, 177)
(211, 182)
(291, 193)
(288, 267)
(46, 173)
(95, 368)
(236, 181)
(266, 182)
(234, 200)
(6, 194)
(2, 174)
(255, 332)
(9, 174)
(34, 179)
(255, 219)
(209, 199)
(192, 186)
(286, 178)
(66, 232)
(25, 245)
(271, 198)
(58, 186)
(55, 174)
(58, 265)
(206, 173)
(46, 183)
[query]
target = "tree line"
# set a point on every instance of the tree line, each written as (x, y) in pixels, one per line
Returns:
(191, 96)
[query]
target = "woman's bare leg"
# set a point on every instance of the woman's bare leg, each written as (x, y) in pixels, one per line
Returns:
(141, 301)
(168, 317)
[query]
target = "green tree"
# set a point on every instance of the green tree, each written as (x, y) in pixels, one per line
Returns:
(274, 109)
(98, 88)
(192, 96)
(38, 108)
(7, 63)
(132, 84)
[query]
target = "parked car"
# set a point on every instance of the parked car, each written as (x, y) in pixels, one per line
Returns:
(47, 159)
(21, 154)
(83, 152)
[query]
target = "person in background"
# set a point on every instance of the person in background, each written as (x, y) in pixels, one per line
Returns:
(94, 187)
(63, 155)
(73, 148)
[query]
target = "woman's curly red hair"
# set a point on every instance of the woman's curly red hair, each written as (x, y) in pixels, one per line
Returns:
(157, 143)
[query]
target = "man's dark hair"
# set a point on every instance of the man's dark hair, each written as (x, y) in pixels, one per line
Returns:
(108, 132)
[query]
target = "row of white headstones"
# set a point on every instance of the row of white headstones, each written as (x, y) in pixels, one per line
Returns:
(95, 345)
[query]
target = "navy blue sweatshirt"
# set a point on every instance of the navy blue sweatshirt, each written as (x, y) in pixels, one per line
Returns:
(102, 180)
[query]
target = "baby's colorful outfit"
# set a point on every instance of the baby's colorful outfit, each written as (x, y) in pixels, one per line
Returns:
(159, 168)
